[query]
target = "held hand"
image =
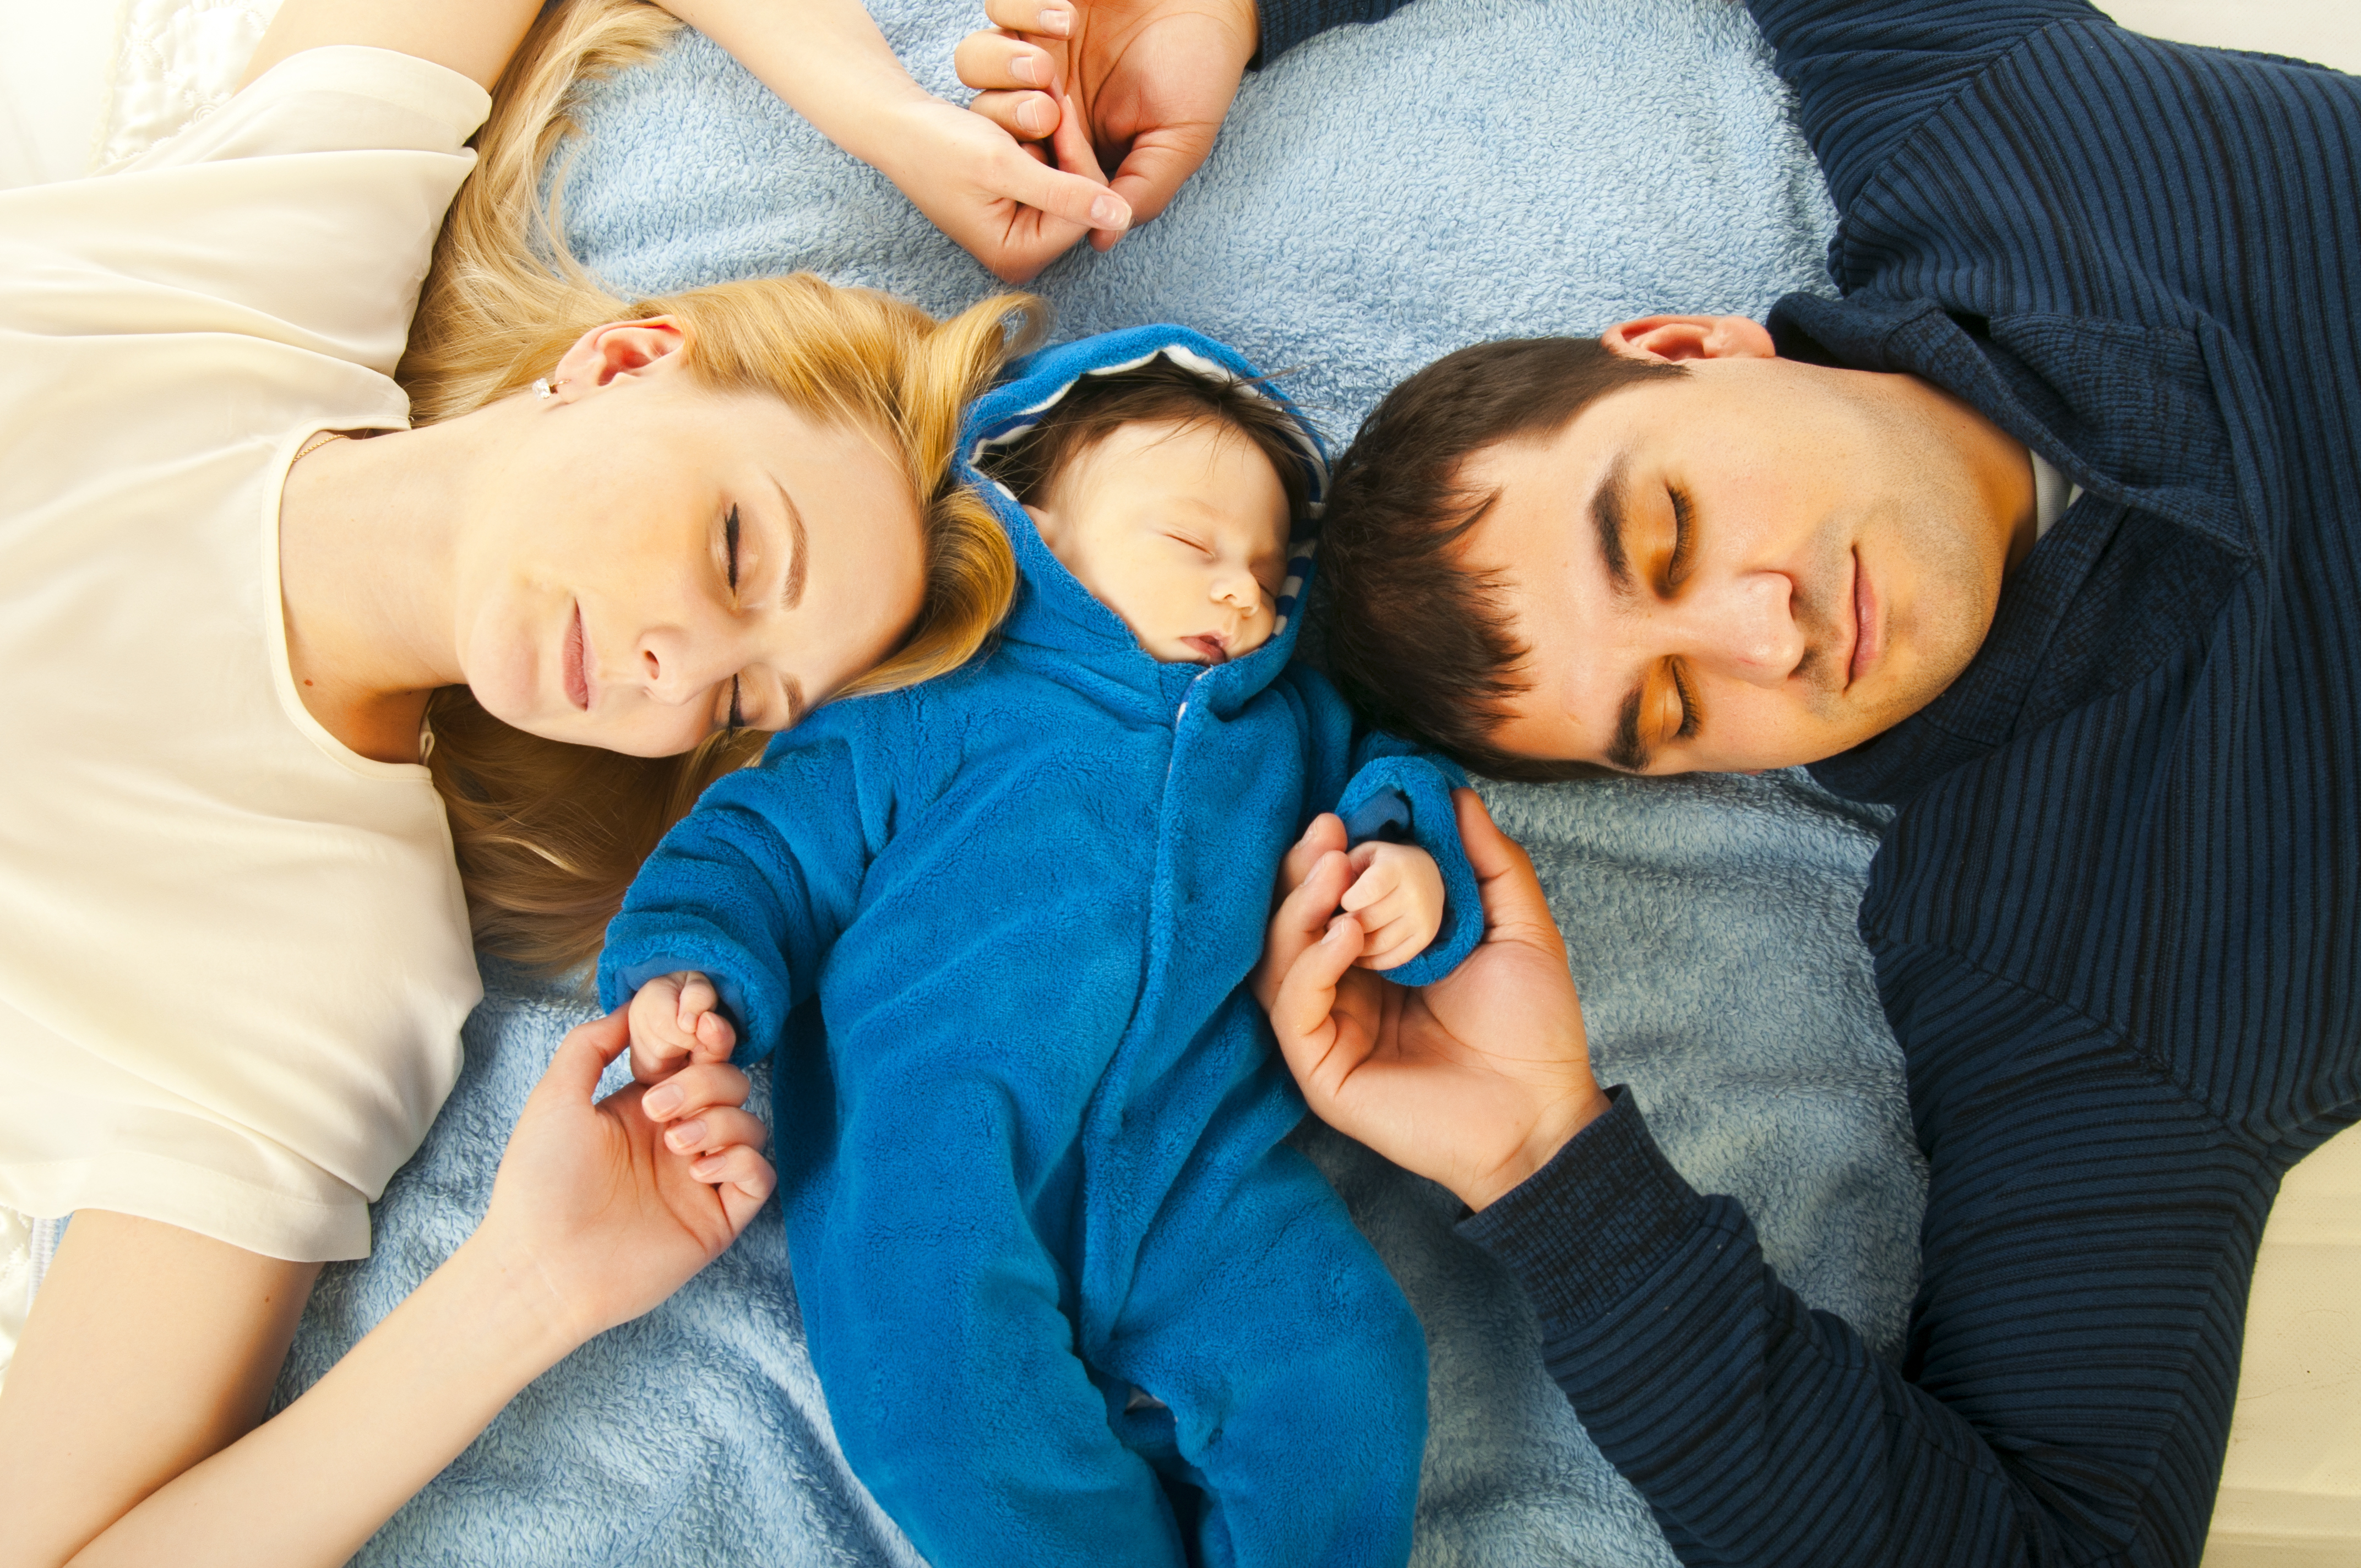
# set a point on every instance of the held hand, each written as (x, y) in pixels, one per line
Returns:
(1397, 900)
(592, 1212)
(675, 1020)
(1006, 205)
(1152, 78)
(1475, 1081)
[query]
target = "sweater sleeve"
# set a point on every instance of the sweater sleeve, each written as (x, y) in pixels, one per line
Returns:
(2066, 1391)
(1285, 23)
(752, 887)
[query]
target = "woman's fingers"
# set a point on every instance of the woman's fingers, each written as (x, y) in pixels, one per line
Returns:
(695, 1088)
(989, 62)
(742, 1178)
(714, 1130)
(1050, 19)
(581, 1057)
(1325, 834)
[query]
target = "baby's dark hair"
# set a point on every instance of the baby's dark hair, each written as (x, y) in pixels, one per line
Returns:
(1157, 392)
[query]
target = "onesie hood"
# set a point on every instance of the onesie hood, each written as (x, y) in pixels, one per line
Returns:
(1053, 610)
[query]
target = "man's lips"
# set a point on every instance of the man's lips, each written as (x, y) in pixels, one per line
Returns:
(1213, 650)
(577, 664)
(1867, 634)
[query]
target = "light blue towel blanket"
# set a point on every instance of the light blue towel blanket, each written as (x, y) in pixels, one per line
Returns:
(1471, 169)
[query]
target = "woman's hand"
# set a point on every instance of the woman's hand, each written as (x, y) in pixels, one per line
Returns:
(1012, 210)
(1153, 80)
(594, 1213)
(1475, 1081)
(1008, 205)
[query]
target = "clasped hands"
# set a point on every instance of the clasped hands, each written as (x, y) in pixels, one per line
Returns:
(1067, 90)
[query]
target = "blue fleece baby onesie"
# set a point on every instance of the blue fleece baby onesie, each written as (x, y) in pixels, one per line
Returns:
(1052, 1255)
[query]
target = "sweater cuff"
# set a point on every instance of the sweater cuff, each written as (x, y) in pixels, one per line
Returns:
(1587, 1228)
(1285, 23)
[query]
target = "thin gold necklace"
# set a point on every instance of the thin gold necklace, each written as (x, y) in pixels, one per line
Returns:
(319, 438)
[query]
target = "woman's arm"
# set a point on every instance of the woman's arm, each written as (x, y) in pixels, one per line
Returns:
(150, 1348)
(473, 37)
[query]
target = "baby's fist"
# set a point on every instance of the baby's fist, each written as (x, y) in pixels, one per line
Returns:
(1397, 896)
(675, 1020)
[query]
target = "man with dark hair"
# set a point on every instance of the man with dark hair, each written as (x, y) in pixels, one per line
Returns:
(2046, 532)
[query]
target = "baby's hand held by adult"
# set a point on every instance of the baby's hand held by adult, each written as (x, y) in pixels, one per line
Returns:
(1397, 899)
(676, 1019)
(593, 1217)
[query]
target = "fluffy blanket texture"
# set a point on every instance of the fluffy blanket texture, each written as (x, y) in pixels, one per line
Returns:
(1472, 168)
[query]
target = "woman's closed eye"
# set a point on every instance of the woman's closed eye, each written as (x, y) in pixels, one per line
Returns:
(729, 547)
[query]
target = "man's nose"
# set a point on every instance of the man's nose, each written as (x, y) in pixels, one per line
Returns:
(1745, 627)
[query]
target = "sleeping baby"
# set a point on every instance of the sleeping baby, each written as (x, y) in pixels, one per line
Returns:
(1071, 1297)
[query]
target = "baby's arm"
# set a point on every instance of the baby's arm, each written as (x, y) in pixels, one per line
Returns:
(675, 1019)
(1397, 897)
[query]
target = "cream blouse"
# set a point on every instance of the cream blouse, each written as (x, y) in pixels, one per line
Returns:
(234, 955)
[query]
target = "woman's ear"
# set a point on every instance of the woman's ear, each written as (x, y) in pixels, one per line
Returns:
(1669, 339)
(615, 349)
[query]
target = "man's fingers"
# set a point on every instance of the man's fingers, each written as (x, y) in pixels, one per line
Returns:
(989, 62)
(1030, 117)
(1504, 872)
(1050, 19)
(1302, 1013)
(1158, 165)
(1325, 834)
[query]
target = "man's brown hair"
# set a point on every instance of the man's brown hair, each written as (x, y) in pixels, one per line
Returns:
(1158, 392)
(1418, 645)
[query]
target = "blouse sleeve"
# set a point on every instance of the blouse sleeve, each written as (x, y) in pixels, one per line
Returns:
(305, 212)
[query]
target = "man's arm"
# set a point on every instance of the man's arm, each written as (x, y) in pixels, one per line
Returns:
(2089, 1233)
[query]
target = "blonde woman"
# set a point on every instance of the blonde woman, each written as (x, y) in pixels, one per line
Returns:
(247, 600)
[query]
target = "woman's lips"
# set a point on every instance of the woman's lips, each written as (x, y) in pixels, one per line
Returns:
(1866, 643)
(578, 663)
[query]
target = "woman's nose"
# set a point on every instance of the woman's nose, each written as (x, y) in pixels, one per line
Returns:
(1746, 626)
(674, 668)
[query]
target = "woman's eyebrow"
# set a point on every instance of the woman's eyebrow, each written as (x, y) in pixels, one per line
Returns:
(799, 551)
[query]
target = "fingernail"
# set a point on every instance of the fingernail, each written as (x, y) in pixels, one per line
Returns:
(1034, 116)
(686, 1137)
(709, 1165)
(661, 1102)
(1055, 21)
(1109, 212)
(1026, 69)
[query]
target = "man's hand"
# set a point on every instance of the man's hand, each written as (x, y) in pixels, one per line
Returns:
(1475, 1081)
(1152, 79)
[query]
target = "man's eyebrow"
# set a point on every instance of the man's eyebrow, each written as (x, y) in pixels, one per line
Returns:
(1607, 514)
(1625, 751)
(799, 551)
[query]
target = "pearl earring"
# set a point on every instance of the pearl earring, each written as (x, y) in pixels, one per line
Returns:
(542, 390)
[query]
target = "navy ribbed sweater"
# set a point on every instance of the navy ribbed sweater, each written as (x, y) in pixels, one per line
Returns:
(2115, 923)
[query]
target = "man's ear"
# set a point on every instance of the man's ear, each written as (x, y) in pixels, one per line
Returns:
(1670, 339)
(617, 348)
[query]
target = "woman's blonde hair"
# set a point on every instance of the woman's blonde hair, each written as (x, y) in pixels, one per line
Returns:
(548, 835)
